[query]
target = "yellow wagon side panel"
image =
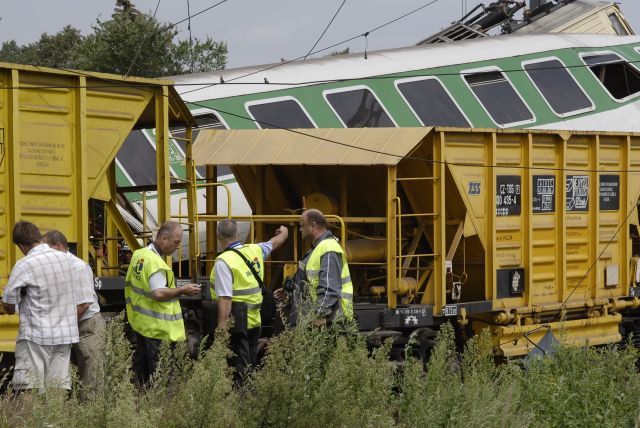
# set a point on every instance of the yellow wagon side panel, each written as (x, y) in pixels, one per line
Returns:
(59, 134)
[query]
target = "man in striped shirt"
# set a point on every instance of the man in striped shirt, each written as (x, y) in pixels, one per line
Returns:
(41, 287)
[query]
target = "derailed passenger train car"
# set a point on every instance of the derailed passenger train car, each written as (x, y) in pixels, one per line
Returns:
(519, 231)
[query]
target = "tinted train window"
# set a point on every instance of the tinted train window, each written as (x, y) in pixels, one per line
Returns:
(616, 75)
(203, 121)
(557, 86)
(359, 109)
(498, 97)
(280, 114)
(138, 158)
(431, 103)
(618, 26)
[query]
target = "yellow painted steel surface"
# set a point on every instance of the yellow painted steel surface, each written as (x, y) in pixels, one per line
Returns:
(59, 134)
(557, 246)
(511, 341)
(466, 206)
(360, 146)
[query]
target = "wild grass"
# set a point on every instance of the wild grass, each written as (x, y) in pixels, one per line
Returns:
(330, 377)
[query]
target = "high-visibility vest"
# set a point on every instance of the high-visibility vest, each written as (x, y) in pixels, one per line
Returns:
(147, 316)
(312, 270)
(245, 286)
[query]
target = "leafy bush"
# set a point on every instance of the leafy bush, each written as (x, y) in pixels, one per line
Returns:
(330, 377)
(580, 386)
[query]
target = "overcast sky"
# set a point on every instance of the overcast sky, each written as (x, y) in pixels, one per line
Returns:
(260, 31)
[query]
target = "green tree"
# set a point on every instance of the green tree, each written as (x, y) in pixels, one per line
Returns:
(201, 56)
(137, 44)
(57, 50)
(11, 52)
(131, 43)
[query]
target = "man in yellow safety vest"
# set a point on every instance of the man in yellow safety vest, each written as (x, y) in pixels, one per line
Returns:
(324, 270)
(237, 277)
(151, 295)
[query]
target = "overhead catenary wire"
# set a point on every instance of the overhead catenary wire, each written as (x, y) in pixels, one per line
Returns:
(303, 83)
(326, 48)
(397, 75)
(379, 152)
(146, 36)
(392, 76)
(188, 18)
(325, 29)
(153, 33)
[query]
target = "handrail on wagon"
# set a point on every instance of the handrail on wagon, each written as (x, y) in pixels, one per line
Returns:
(216, 184)
(266, 218)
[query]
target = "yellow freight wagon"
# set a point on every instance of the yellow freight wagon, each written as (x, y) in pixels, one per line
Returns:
(520, 231)
(59, 134)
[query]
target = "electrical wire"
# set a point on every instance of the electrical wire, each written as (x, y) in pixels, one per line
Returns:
(153, 33)
(325, 29)
(365, 149)
(416, 158)
(190, 39)
(309, 82)
(393, 76)
(146, 36)
(188, 18)
(271, 67)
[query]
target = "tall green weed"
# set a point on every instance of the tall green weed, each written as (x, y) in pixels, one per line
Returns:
(330, 377)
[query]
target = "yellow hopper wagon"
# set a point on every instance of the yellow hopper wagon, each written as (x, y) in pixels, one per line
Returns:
(519, 231)
(60, 132)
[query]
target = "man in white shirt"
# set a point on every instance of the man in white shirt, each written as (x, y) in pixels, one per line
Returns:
(88, 352)
(41, 286)
(237, 277)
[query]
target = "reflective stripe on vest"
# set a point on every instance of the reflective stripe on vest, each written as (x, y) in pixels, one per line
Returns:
(245, 287)
(154, 314)
(147, 316)
(312, 270)
(142, 292)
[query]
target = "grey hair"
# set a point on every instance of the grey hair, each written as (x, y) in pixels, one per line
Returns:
(315, 216)
(54, 237)
(227, 229)
(168, 228)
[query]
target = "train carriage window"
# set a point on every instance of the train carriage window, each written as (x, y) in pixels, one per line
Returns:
(499, 98)
(618, 26)
(283, 113)
(204, 121)
(137, 158)
(618, 77)
(558, 87)
(359, 108)
(431, 102)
